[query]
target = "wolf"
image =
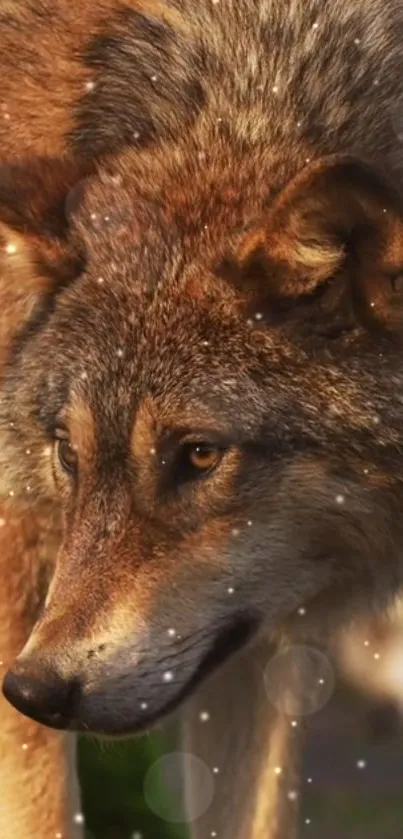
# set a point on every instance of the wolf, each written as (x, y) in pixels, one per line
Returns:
(201, 223)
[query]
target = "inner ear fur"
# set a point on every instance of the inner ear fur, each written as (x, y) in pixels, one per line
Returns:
(338, 220)
(37, 253)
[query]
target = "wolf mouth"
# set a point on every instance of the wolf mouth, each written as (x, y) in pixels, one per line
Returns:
(226, 643)
(229, 641)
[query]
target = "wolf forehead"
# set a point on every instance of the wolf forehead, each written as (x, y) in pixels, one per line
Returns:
(113, 349)
(147, 316)
(152, 289)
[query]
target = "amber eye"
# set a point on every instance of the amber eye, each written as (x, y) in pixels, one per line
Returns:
(67, 455)
(203, 457)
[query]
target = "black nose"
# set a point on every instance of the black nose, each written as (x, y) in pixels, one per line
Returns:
(40, 693)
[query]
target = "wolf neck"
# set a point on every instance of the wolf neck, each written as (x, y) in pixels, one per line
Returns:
(255, 749)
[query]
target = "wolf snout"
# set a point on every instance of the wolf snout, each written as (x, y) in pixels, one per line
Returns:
(39, 692)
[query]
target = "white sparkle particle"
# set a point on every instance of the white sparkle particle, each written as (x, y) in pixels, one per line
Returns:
(25, 746)
(93, 216)
(340, 499)
(172, 633)
(78, 818)
(213, 833)
(47, 451)
(302, 611)
(309, 780)
(59, 836)
(143, 706)
(136, 135)
(249, 522)
(89, 86)
(11, 248)
(137, 835)
(154, 78)
(366, 643)
(376, 656)
(2, 522)
(315, 25)
(294, 724)
(361, 764)
(321, 681)
(168, 676)
(275, 88)
(258, 316)
(11, 493)
(235, 531)
(215, 770)
(366, 471)
(376, 82)
(278, 770)
(292, 795)
(100, 280)
(119, 353)
(357, 41)
(230, 590)
(307, 160)
(204, 716)
(307, 821)
(27, 451)
(205, 343)
(117, 179)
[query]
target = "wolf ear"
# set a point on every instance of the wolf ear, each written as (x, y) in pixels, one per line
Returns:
(335, 232)
(36, 251)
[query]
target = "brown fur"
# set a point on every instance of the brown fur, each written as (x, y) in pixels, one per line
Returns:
(204, 207)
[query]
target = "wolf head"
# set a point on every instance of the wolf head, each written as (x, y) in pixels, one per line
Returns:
(204, 375)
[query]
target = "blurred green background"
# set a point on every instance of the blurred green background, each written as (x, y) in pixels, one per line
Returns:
(112, 781)
(340, 800)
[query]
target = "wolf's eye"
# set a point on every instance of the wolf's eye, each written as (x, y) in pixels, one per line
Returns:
(203, 457)
(67, 455)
